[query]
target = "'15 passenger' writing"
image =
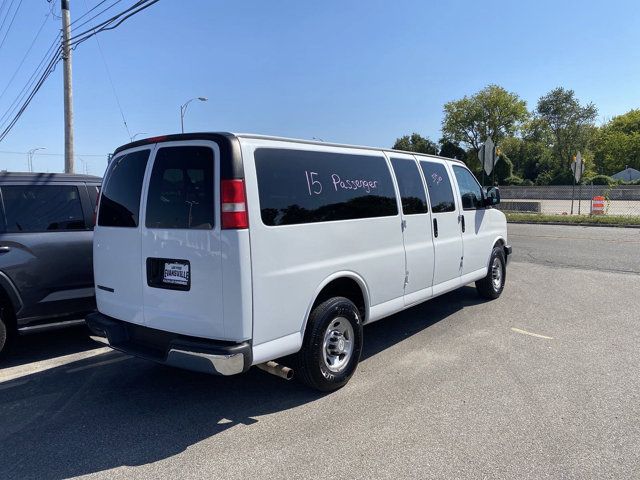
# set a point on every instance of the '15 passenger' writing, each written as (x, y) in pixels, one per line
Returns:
(315, 186)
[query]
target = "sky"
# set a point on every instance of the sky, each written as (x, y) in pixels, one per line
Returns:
(358, 72)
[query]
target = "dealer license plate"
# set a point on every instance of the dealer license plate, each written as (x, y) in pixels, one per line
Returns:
(176, 273)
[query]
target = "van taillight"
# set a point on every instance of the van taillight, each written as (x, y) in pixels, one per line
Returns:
(234, 204)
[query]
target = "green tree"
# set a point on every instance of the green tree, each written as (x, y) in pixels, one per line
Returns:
(616, 145)
(416, 143)
(492, 112)
(531, 152)
(452, 150)
(570, 123)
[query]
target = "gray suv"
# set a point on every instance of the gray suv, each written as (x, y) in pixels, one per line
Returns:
(46, 266)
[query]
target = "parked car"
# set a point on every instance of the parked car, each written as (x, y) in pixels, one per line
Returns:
(216, 252)
(46, 231)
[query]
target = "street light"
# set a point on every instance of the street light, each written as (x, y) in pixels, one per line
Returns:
(30, 154)
(136, 134)
(183, 109)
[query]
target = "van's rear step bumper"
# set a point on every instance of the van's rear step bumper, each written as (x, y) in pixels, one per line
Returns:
(192, 353)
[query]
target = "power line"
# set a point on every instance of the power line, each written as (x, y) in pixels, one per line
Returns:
(32, 87)
(6, 14)
(10, 23)
(94, 17)
(25, 55)
(113, 87)
(112, 22)
(54, 154)
(31, 81)
(47, 71)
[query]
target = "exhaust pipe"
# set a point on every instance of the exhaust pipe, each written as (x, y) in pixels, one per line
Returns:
(276, 369)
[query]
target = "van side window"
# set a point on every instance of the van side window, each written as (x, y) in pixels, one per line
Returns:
(120, 199)
(181, 189)
(470, 189)
(297, 186)
(439, 185)
(42, 208)
(414, 198)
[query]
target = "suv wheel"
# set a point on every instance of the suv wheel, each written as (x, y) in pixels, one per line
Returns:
(332, 345)
(4, 331)
(491, 286)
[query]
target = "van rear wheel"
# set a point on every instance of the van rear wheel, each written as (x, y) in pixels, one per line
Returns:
(491, 286)
(332, 345)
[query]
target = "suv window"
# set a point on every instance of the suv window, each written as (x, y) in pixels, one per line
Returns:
(414, 198)
(181, 189)
(298, 186)
(470, 189)
(42, 208)
(120, 199)
(439, 185)
(94, 192)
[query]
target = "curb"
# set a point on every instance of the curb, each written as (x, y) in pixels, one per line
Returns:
(568, 224)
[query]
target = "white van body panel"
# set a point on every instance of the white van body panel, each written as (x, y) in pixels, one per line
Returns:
(483, 227)
(289, 262)
(258, 285)
(418, 245)
(117, 260)
(197, 312)
(448, 244)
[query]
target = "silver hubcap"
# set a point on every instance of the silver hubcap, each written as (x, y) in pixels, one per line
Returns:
(496, 273)
(337, 346)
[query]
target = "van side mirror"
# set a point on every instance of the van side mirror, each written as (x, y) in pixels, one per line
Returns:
(491, 196)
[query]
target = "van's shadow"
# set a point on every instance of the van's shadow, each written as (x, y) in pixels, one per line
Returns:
(112, 410)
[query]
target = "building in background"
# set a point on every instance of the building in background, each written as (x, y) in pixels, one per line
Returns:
(627, 175)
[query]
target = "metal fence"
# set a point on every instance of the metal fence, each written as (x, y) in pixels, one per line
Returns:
(556, 199)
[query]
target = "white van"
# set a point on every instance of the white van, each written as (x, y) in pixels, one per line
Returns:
(215, 252)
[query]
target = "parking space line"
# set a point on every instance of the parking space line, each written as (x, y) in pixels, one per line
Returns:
(12, 373)
(98, 364)
(6, 386)
(524, 332)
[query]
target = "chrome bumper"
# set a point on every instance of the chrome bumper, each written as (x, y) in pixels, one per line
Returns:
(199, 354)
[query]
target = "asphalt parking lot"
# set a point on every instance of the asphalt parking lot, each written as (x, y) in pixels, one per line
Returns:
(542, 383)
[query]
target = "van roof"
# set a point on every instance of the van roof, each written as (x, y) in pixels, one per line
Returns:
(213, 135)
(47, 177)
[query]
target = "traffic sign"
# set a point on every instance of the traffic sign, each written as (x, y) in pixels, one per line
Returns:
(487, 156)
(577, 167)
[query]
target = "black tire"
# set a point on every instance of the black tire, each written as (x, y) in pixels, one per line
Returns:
(311, 367)
(487, 287)
(4, 333)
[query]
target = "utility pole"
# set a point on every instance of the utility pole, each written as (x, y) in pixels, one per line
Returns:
(68, 94)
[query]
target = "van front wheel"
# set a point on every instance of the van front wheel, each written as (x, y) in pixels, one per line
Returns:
(332, 345)
(491, 286)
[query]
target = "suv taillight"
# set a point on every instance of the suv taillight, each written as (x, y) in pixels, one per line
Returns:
(234, 205)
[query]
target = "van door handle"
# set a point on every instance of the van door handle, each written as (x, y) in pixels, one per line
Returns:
(4, 249)
(435, 227)
(462, 220)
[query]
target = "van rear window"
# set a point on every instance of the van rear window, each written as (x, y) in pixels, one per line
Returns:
(181, 189)
(120, 200)
(297, 186)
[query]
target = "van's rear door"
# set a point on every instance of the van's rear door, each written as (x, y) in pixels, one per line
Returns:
(117, 258)
(181, 240)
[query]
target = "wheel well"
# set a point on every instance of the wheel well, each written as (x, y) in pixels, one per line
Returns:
(343, 287)
(6, 309)
(499, 243)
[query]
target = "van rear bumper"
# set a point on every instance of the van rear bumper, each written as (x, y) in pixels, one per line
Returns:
(192, 353)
